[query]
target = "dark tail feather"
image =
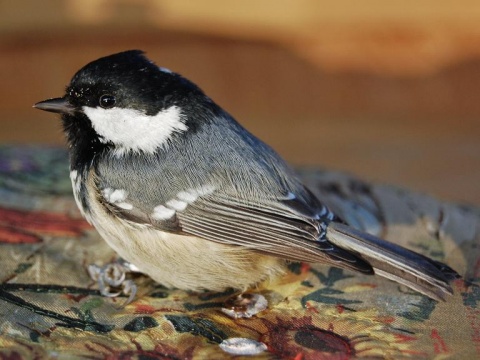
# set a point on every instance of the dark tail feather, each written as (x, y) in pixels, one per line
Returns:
(394, 262)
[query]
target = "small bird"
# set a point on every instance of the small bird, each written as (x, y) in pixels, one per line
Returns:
(177, 187)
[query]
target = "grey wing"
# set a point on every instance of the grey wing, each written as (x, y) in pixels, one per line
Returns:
(289, 227)
(275, 229)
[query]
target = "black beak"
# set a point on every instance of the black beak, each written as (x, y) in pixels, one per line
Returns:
(57, 105)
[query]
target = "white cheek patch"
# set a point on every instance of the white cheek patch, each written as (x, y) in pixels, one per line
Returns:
(117, 197)
(132, 130)
(180, 203)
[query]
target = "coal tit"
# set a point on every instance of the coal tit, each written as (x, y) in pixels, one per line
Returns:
(181, 190)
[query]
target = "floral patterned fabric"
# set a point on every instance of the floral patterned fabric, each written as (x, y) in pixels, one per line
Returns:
(51, 308)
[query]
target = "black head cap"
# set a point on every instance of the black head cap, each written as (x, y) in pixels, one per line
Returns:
(133, 81)
(126, 80)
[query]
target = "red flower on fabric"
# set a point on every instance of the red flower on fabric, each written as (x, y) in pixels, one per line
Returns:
(26, 227)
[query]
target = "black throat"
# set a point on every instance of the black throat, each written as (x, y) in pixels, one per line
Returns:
(84, 144)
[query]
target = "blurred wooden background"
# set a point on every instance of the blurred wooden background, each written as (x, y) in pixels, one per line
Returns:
(386, 90)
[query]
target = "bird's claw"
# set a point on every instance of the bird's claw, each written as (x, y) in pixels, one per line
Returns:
(112, 282)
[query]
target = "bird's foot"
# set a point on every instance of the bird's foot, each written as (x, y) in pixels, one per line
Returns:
(112, 280)
(244, 305)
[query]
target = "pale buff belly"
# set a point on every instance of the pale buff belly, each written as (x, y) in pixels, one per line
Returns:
(183, 262)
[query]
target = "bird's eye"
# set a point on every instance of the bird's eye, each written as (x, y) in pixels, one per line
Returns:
(107, 101)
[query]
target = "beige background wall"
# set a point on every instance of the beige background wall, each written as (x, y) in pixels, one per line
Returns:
(386, 90)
